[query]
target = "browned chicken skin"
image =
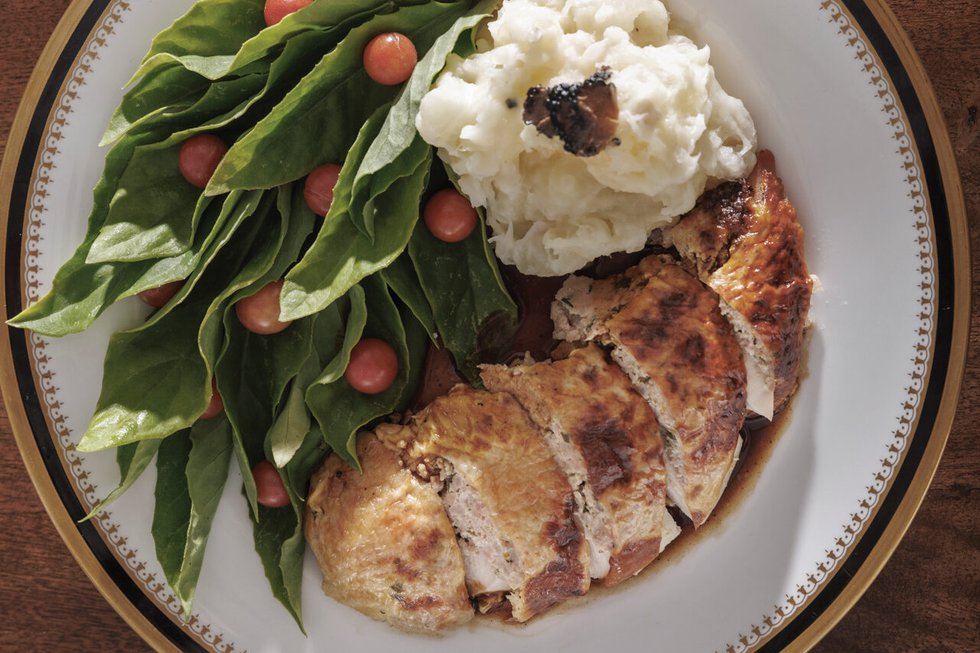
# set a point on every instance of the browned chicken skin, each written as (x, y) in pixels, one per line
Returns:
(384, 543)
(746, 244)
(516, 495)
(607, 440)
(669, 336)
(509, 502)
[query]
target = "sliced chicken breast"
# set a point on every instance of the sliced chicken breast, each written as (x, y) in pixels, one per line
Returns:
(384, 543)
(607, 440)
(746, 244)
(669, 336)
(510, 503)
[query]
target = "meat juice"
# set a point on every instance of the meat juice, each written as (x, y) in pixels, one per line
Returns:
(534, 336)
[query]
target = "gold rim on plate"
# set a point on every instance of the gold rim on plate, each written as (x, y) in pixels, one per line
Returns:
(873, 562)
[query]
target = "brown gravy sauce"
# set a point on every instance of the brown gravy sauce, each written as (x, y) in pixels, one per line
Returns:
(534, 336)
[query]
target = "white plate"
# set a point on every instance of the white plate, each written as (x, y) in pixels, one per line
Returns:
(835, 93)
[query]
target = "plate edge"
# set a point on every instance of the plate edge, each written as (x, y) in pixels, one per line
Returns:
(874, 562)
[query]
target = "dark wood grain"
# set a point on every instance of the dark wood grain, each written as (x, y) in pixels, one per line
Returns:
(926, 599)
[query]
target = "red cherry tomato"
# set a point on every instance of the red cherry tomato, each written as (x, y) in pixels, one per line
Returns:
(269, 489)
(199, 158)
(318, 190)
(373, 366)
(276, 10)
(390, 58)
(159, 296)
(216, 406)
(259, 313)
(449, 216)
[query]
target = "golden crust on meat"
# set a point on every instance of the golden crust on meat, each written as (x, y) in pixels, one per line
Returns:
(669, 335)
(614, 431)
(675, 331)
(747, 245)
(384, 543)
(676, 334)
(490, 441)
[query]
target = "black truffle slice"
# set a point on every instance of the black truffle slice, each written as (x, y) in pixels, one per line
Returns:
(584, 115)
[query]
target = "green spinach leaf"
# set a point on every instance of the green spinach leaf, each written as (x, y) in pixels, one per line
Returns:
(340, 410)
(293, 422)
(472, 309)
(133, 459)
(179, 44)
(175, 98)
(235, 210)
(354, 329)
(310, 454)
(206, 38)
(319, 19)
(315, 121)
(153, 214)
(172, 512)
(206, 473)
(43, 317)
(157, 377)
(278, 537)
(252, 370)
(288, 435)
(341, 256)
(269, 64)
(389, 157)
(155, 211)
(248, 371)
(192, 467)
(155, 382)
(81, 292)
(401, 278)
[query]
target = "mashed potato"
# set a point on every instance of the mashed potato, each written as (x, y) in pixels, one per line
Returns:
(552, 212)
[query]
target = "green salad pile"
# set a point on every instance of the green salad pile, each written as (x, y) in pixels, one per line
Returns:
(286, 98)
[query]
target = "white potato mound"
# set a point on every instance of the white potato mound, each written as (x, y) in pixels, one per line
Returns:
(552, 212)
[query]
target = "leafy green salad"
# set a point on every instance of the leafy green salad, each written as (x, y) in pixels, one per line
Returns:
(286, 98)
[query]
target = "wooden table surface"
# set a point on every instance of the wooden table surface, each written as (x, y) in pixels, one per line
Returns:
(926, 599)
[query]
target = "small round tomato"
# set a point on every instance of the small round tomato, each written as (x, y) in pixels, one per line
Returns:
(449, 216)
(318, 190)
(276, 10)
(259, 313)
(159, 296)
(373, 366)
(390, 58)
(269, 489)
(199, 158)
(216, 406)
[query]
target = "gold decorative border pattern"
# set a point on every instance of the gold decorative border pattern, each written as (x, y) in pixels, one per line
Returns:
(918, 377)
(153, 587)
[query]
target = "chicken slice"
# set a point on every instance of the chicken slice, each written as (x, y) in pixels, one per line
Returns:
(384, 543)
(607, 441)
(512, 506)
(669, 336)
(746, 243)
